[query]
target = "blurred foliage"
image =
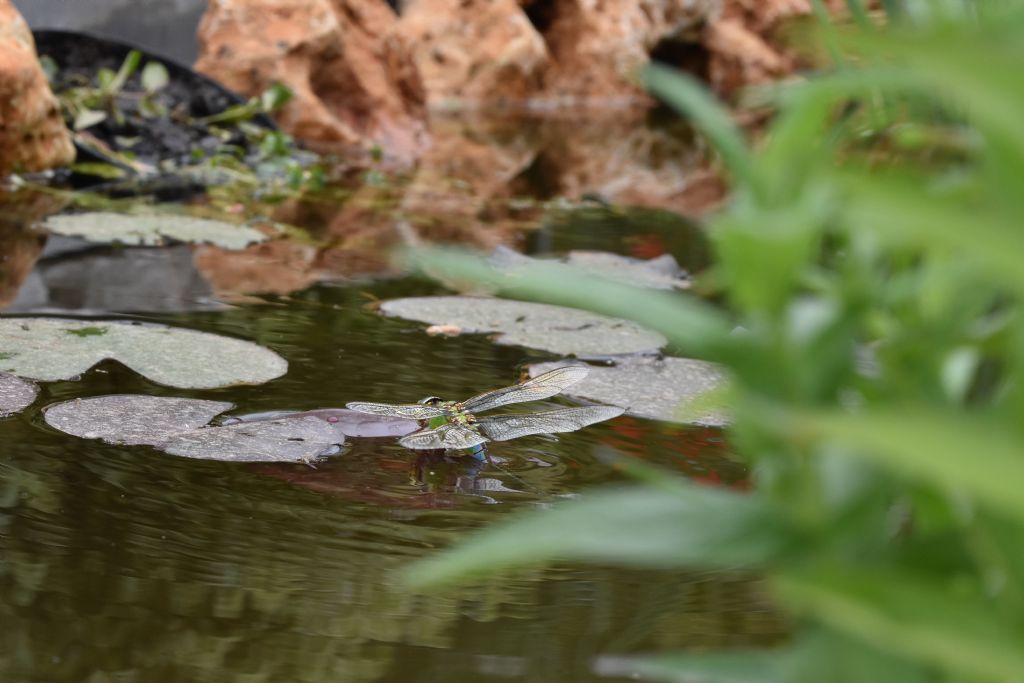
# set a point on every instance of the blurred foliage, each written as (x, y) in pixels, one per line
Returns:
(870, 259)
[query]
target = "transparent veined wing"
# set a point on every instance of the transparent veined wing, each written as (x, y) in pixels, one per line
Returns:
(446, 436)
(541, 386)
(505, 427)
(413, 411)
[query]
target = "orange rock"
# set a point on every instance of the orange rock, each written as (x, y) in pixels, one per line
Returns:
(475, 51)
(32, 133)
(352, 75)
(542, 53)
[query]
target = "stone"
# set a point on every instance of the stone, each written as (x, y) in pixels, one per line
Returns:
(543, 53)
(33, 136)
(475, 51)
(351, 72)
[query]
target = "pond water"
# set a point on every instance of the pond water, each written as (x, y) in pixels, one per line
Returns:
(126, 564)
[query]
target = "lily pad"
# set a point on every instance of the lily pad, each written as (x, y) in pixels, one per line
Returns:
(16, 394)
(294, 440)
(51, 349)
(130, 419)
(659, 389)
(152, 229)
(346, 422)
(176, 426)
(565, 331)
(662, 272)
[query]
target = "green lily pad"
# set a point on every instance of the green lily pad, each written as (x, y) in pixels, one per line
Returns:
(50, 349)
(177, 426)
(658, 389)
(566, 331)
(152, 229)
(16, 394)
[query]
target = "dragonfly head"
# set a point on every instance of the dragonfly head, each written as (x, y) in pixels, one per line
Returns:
(432, 400)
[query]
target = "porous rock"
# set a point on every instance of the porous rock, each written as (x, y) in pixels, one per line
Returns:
(32, 133)
(351, 72)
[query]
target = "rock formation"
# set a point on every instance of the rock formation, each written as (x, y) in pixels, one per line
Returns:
(32, 133)
(349, 69)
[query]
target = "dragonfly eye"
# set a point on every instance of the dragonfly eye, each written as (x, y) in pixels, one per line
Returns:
(431, 400)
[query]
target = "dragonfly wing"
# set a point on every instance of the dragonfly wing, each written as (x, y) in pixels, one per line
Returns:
(412, 411)
(455, 436)
(505, 427)
(541, 386)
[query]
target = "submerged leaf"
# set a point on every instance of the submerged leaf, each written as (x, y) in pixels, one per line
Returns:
(16, 394)
(659, 389)
(51, 349)
(152, 229)
(537, 326)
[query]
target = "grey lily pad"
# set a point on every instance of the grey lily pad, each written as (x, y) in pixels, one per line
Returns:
(152, 229)
(662, 272)
(16, 394)
(566, 331)
(130, 419)
(659, 389)
(346, 422)
(294, 440)
(51, 349)
(177, 426)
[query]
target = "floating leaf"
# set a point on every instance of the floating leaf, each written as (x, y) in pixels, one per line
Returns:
(152, 229)
(537, 326)
(131, 419)
(653, 388)
(346, 422)
(177, 426)
(16, 394)
(287, 439)
(662, 272)
(88, 118)
(51, 349)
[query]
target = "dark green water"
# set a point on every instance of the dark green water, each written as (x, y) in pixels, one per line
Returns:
(126, 564)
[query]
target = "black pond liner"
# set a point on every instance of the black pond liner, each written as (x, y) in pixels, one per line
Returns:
(188, 94)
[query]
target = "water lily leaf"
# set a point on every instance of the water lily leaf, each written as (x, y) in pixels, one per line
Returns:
(51, 349)
(662, 272)
(178, 426)
(286, 439)
(346, 422)
(16, 394)
(659, 389)
(152, 229)
(131, 419)
(557, 329)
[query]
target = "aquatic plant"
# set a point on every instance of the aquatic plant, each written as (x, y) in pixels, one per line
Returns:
(869, 256)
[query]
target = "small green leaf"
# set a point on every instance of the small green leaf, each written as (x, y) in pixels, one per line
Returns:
(275, 97)
(88, 118)
(154, 77)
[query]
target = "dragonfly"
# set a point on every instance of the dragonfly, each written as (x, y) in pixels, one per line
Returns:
(456, 424)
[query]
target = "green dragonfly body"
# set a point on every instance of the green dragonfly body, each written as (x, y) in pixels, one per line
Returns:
(456, 425)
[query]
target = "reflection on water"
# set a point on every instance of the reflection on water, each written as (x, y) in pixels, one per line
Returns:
(126, 564)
